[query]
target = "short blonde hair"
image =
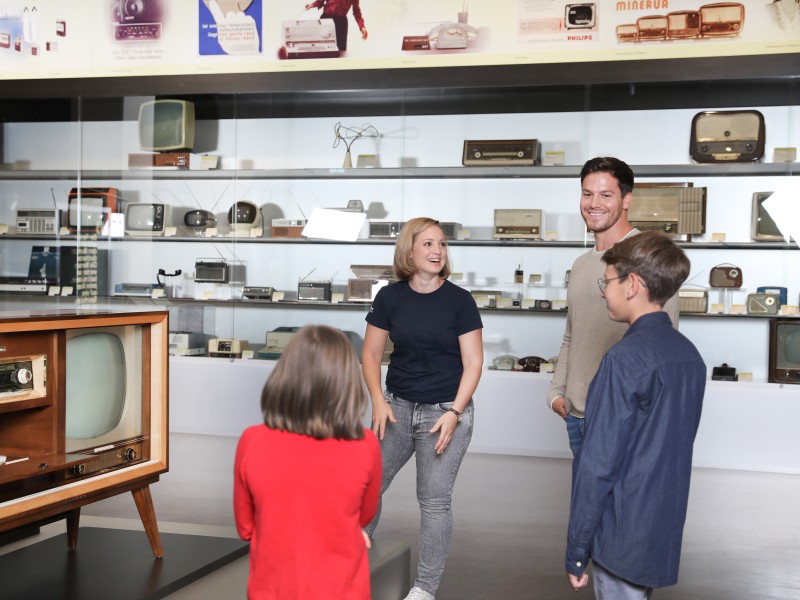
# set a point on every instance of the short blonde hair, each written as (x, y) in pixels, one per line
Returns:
(403, 267)
(316, 388)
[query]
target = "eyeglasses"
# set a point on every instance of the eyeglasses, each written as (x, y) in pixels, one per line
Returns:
(603, 283)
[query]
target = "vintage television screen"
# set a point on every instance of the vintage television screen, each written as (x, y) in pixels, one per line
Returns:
(87, 208)
(166, 125)
(91, 422)
(784, 351)
(147, 219)
(244, 216)
(762, 227)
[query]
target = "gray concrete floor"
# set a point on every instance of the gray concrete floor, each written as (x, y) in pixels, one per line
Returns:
(741, 542)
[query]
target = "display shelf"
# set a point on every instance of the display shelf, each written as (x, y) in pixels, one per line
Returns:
(452, 172)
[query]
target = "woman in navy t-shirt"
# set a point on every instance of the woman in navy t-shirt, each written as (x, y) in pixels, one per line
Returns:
(434, 369)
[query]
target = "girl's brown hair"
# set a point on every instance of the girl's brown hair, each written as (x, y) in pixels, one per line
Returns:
(316, 388)
(403, 267)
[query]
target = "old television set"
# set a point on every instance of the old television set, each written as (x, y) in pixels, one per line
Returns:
(93, 423)
(244, 216)
(166, 125)
(762, 226)
(580, 16)
(784, 351)
(88, 208)
(147, 219)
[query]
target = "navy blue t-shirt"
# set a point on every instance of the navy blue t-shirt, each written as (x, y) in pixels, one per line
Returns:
(426, 363)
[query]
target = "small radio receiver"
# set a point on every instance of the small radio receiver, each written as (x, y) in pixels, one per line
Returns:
(287, 228)
(212, 271)
(763, 304)
(693, 301)
(257, 293)
(501, 153)
(721, 19)
(35, 220)
(674, 209)
(517, 224)
(314, 290)
(727, 136)
(780, 292)
(725, 276)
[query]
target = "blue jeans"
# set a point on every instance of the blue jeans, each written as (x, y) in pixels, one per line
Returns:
(436, 474)
(575, 427)
(608, 586)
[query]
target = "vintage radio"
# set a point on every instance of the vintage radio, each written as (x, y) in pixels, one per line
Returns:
(137, 21)
(38, 220)
(385, 229)
(627, 32)
(721, 19)
(580, 16)
(727, 136)
(277, 341)
(762, 226)
(257, 293)
(725, 276)
(693, 301)
(287, 228)
(517, 224)
(450, 229)
(159, 160)
(763, 304)
(652, 27)
(674, 209)
(780, 292)
(416, 42)
(314, 290)
(369, 279)
(501, 153)
(683, 24)
(212, 271)
(309, 39)
(226, 347)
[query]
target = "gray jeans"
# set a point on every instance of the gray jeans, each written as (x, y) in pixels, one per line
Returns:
(608, 586)
(436, 475)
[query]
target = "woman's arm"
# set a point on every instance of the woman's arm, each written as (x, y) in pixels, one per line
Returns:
(471, 345)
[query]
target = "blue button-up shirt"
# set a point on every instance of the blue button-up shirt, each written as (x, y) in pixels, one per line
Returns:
(630, 481)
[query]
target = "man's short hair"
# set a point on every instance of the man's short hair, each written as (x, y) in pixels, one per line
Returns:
(613, 166)
(655, 258)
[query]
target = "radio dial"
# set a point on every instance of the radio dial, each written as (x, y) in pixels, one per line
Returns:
(78, 470)
(130, 454)
(21, 376)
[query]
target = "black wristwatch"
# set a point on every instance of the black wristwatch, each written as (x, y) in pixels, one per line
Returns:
(456, 413)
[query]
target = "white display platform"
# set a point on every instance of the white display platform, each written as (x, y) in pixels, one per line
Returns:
(745, 425)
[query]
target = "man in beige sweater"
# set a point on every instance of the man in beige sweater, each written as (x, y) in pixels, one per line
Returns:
(606, 194)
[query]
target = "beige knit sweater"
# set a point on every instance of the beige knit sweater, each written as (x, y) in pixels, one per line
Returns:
(589, 333)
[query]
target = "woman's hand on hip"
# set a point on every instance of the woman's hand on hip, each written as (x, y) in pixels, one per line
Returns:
(380, 414)
(446, 426)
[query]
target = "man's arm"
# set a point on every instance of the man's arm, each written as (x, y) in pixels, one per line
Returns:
(556, 395)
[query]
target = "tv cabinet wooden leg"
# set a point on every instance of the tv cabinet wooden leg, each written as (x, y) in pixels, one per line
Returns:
(73, 520)
(144, 504)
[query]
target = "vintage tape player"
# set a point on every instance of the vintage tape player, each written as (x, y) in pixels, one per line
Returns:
(779, 291)
(763, 304)
(385, 229)
(314, 290)
(287, 228)
(276, 343)
(674, 209)
(501, 153)
(727, 136)
(212, 270)
(517, 224)
(36, 220)
(257, 293)
(725, 276)
(309, 38)
(226, 347)
(182, 343)
(693, 301)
